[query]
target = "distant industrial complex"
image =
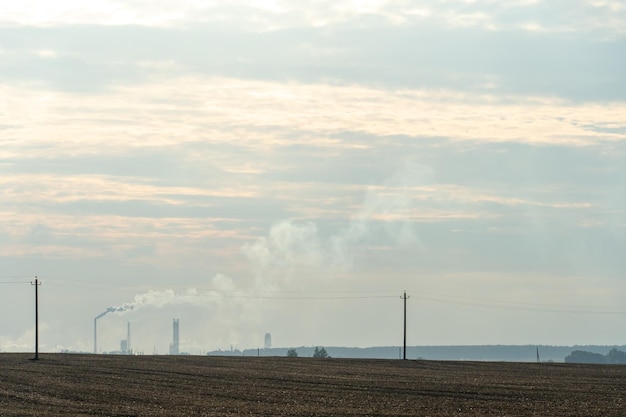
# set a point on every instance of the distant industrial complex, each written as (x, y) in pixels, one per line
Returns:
(174, 348)
(515, 353)
(125, 345)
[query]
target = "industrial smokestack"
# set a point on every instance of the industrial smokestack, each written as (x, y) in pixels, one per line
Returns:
(174, 347)
(124, 307)
(95, 335)
(128, 340)
(159, 299)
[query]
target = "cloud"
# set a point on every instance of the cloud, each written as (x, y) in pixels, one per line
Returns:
(223, 113)
(224, 158)
(561, 16)
(463, 46)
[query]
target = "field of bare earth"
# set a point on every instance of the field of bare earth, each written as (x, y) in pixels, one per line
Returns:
(101, 385)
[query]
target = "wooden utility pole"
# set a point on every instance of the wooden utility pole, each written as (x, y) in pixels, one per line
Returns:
(404, 297)
(36, 284)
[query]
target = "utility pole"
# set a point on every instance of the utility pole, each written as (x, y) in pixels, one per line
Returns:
(404, 297)
(36, 284)
(95, 335)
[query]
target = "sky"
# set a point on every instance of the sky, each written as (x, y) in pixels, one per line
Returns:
(292, 167)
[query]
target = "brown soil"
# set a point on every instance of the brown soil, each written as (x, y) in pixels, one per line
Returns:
(101, 385)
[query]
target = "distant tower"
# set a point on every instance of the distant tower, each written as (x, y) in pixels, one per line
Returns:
(268, 340)
(125, 344)
(128, 348)
(174, 345)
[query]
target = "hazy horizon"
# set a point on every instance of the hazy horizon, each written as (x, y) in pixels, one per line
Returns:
(294, 167)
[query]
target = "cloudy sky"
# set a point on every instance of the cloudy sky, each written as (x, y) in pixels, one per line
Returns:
(292, 167)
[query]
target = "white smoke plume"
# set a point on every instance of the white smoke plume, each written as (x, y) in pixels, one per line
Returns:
(193, 296)
(124, 307)
(294, 251)
(386, 216)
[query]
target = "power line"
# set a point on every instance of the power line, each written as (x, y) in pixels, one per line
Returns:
(521, 303)
(245, 294)
(278, 297)
(15, 276)
(511, 305)
(13, 279)
(253, 294)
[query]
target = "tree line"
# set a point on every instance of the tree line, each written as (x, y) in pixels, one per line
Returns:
(319, 352)
(613, 357)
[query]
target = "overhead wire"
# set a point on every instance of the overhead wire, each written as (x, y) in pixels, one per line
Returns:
(517, 305)
(349, 295)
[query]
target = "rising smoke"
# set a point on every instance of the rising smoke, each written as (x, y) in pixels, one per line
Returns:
(235, 312)
(297, 250)
(124, 307)
(221, 286)
(386, 217)
(158, 298)
(292, 247)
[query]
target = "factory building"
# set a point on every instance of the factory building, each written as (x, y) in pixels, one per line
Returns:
(268, 341)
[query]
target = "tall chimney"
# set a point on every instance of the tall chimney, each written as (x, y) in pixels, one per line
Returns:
(174, 347)
(130, 351)
(95, 336)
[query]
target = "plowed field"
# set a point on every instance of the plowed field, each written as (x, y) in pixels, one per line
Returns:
(101, 385)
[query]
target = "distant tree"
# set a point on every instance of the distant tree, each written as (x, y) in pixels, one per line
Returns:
(580, 356)
(291, 353)
(616, 356)
(320, 353)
